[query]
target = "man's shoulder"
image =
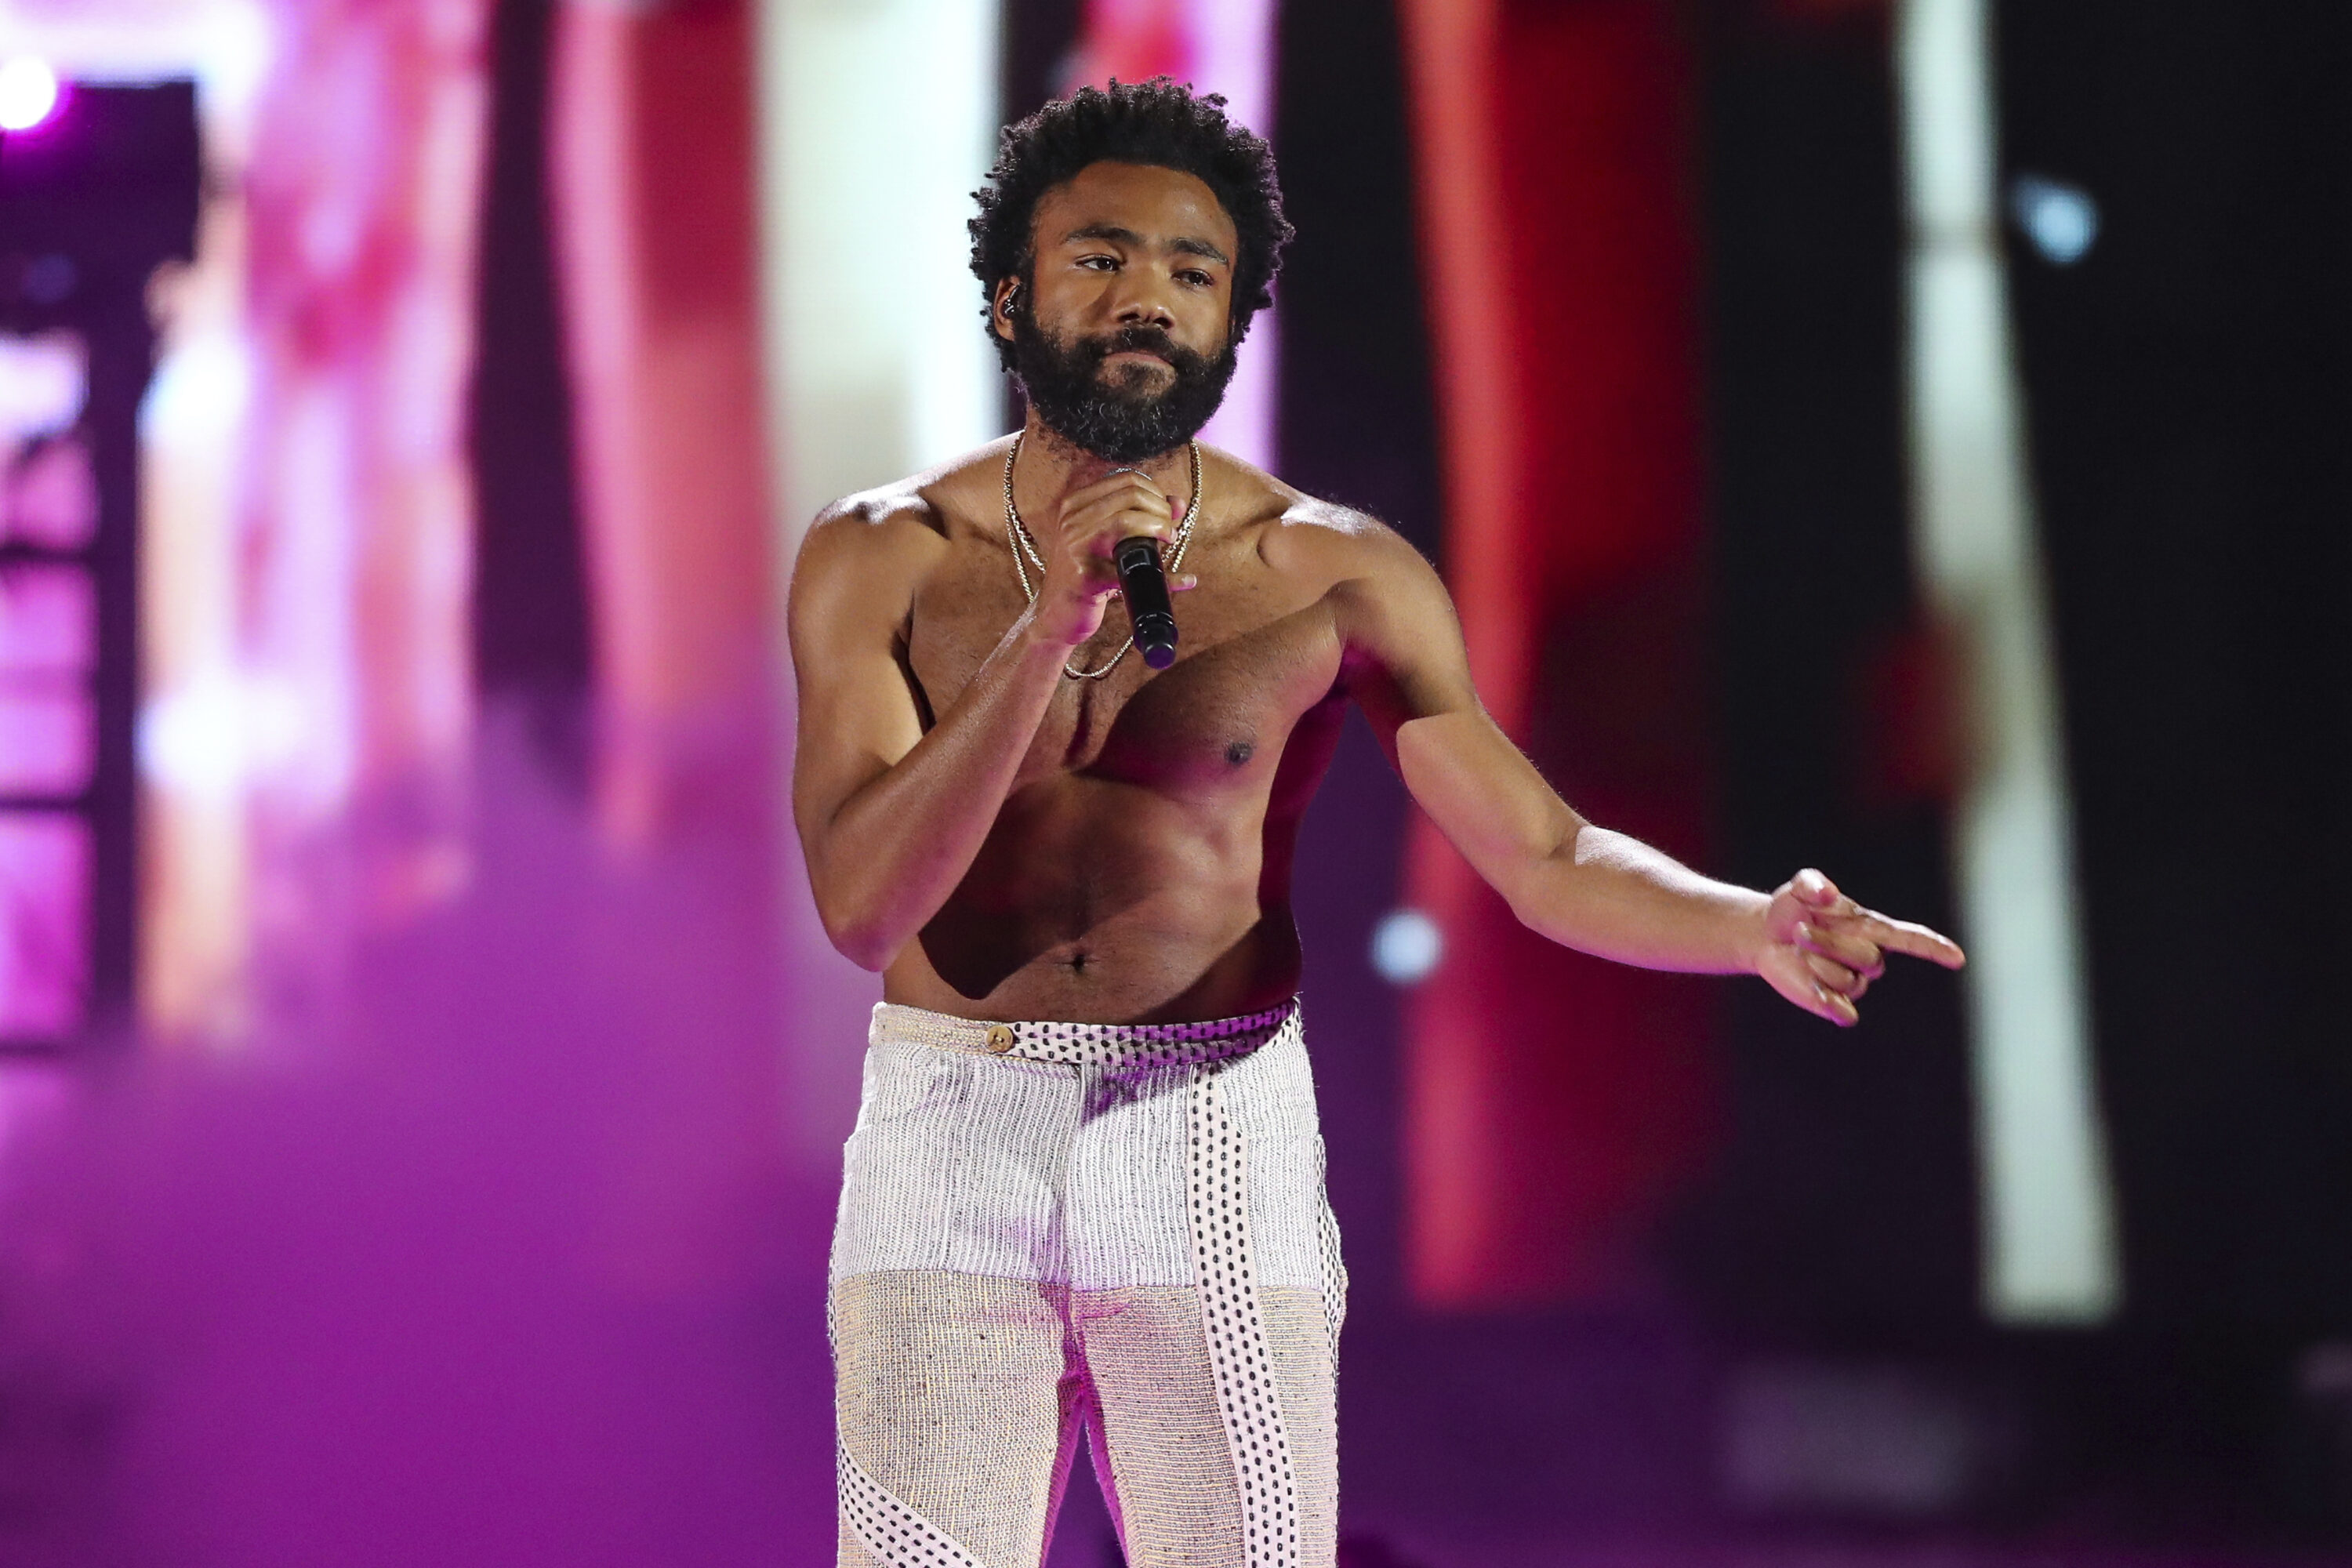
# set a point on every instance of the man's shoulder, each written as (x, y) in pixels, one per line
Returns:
(872, 530)
(1385, 592)
(928, 502)
(1330, 540)
(908, 517)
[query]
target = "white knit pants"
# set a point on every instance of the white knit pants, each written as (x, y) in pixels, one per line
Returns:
(1047, 1228)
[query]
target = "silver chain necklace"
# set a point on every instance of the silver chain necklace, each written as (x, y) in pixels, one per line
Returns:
(1016, 535)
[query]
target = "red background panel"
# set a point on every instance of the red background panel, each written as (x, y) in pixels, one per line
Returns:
(1557, 1103)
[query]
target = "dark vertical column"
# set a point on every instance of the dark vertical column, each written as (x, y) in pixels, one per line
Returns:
(2189, 385)
(530, 601)
(122, 355)
(1038, 38)
(1843, 1205)
(1357, 427)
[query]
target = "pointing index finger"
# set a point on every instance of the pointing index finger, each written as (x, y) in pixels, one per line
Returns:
(1917, 940)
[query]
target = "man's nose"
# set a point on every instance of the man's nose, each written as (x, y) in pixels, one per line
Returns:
(1140, 304)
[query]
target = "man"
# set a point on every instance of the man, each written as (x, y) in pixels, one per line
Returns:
(1086, 1186)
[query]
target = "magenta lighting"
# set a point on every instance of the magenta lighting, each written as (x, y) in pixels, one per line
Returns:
(29, 92)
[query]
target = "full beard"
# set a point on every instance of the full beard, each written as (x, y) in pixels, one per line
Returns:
(1124, 419)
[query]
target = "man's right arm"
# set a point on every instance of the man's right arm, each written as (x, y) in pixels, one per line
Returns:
(890, 816)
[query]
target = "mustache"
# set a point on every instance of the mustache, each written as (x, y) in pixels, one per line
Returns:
(1142, 338)
(1123, 418)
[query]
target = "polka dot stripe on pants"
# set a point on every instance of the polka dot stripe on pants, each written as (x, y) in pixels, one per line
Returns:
(891, 1530)
(1217, 1199)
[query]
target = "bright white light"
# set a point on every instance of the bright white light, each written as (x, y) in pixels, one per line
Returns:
(43, 384)
(2048, 1215)
(207, 738)
(876, 354)
(28, 92)
(877, 364)
(2061, 220)
(1406, 945)
(199, 393)
(226, 45)
(1234, 54)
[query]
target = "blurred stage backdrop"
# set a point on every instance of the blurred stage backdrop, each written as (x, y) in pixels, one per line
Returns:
(1905, 436)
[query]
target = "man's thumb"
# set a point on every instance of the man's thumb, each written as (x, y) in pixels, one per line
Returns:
(1812, 888)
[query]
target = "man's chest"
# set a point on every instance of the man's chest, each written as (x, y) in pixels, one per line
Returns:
(1255, 650)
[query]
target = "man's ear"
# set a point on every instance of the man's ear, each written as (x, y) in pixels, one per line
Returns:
(1008, 299)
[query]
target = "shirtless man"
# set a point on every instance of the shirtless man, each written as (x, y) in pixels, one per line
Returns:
(1086, 1189)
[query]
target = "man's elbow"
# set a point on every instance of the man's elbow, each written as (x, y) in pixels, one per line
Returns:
(856, 934)
(1528, 905)
(870, 956)
(1534, 882)
(862, 942)
(852, 924)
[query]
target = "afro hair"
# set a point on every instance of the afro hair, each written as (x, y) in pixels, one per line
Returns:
(1157, 122)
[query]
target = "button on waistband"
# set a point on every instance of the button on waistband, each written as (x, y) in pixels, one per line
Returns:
(1000, 1037)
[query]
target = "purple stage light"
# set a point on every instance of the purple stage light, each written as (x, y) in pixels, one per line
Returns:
(29, 93)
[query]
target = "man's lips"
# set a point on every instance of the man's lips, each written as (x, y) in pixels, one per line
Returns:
(1141, 356)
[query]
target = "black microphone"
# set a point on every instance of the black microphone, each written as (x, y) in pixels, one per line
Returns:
(1145, 587)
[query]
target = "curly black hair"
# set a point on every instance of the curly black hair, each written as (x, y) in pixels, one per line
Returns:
(1157, 122)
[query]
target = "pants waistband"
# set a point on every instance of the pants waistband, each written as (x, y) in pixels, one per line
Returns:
(1085, 1045)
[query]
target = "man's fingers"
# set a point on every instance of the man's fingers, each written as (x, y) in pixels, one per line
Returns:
(1836, 976)
(1092, 541)
(1851, 949)
(1104, 521)
(1916, 941)
(1816, 994)
(1812, 887)
(1119, 482)
(1118, 491)
(1842, 945)
(1115, 516)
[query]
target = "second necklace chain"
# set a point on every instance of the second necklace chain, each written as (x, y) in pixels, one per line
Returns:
(1017, 535)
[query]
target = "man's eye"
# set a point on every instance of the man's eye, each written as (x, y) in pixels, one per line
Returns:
(1199, 279)
(1092, 260)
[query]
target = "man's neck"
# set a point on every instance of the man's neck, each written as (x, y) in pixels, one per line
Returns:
(1050, 467)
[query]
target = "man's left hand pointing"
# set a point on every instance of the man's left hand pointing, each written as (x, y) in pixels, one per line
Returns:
(1823, 950)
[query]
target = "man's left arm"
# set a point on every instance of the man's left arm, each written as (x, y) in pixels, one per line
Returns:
(1579, 884)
